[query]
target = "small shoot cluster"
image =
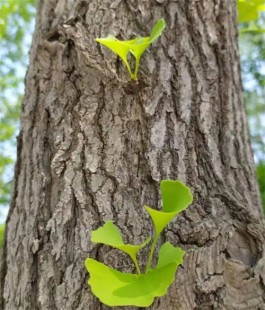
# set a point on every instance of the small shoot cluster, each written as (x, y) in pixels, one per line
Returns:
(135, 47)
(115, 288)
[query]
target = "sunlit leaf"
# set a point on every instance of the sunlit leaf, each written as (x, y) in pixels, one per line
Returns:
(117, 47)
(169, 254)
(136, 46)
(157, 30)
(109, 234)
(160, 218)
(176, 197)
(249, 10)
(115, 288)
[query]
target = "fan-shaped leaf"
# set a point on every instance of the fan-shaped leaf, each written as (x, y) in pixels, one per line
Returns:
(115, 288)
(157, 30)
(117, 47)
(169, 254)
(249, 10)
(176, 197)
(107, 234)
(160, 218)
(110, 235)
(135, 46)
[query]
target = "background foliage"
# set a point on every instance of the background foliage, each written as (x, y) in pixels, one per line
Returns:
(252, 51)
(2, 231)
(16, 27)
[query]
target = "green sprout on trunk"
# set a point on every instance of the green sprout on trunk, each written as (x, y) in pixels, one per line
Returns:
(115, 288)
(135, 47)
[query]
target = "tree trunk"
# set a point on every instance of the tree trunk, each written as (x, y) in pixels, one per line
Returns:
(94, 147)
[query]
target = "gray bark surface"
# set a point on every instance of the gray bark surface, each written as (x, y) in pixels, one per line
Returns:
(93, 148)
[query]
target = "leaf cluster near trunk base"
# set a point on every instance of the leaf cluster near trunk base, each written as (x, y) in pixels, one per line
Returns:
(115, 288)
(135, 47)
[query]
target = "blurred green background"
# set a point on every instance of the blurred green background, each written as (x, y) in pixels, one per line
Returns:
(16, 29)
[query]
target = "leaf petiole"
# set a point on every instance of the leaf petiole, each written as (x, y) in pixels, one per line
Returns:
(134, 259)
(150, 258)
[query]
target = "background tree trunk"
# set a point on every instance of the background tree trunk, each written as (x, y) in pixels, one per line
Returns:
(92, 147)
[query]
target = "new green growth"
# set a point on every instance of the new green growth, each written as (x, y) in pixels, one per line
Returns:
(135, 47)
(115, 288)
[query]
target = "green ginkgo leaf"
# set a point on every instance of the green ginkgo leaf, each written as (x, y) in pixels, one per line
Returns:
(160, 218)
(136, 46)
(115, 288)
(110, 235)
(176, 197)
(168, 254)
(117, 47)
(157, 30)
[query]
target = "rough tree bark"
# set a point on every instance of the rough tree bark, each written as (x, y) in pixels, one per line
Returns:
(93, 148)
